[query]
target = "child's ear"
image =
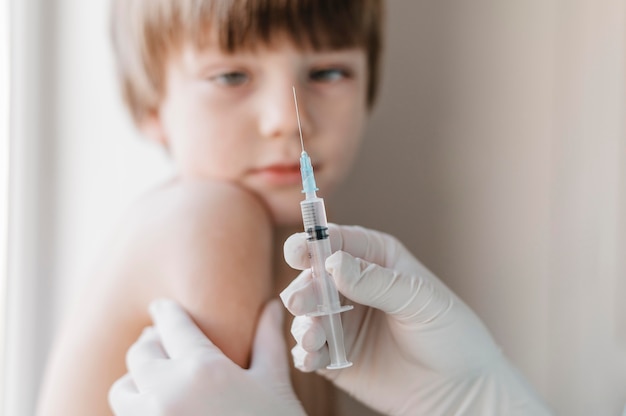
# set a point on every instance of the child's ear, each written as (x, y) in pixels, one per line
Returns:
(152, 127)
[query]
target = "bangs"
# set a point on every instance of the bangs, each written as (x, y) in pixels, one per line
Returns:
(248, 24)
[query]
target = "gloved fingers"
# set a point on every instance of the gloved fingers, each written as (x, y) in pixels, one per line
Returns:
(373, 246)
(268, 353)
(146, 358)
(299, 296)
(370, 245)
(147, 347)
(125, 399)
(310, 361)
(296, 252)
(414, 299)
(180, 336)
(308, 333)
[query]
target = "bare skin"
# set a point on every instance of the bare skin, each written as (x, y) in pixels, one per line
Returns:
(198, 243)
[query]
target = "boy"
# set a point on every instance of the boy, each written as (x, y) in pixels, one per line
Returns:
(212, 82)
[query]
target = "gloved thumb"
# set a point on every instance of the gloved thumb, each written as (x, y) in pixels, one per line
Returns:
(409, 297)
(269, 354)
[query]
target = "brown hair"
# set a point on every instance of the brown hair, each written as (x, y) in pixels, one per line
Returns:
(144, 32)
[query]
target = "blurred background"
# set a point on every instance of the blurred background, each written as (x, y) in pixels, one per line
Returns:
(497, 153)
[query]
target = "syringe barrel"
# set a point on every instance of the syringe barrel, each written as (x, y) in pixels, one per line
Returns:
(328, 304)
(314, 218)
(327, 296)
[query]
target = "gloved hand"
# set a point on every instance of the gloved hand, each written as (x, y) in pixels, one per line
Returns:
(174, 369)
(416, 347)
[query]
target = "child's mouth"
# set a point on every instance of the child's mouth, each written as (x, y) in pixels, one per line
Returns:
(279, 175)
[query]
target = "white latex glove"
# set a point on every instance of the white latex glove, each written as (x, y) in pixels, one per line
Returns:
(417, 348)
(174, 369)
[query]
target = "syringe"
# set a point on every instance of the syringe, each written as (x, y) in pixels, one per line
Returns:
(314, 218)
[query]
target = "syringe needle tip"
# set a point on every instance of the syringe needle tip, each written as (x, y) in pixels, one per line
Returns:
(295, 99)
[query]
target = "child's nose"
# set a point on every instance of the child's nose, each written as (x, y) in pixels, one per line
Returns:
(278, 119)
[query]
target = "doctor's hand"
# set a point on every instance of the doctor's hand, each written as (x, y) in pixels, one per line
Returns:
(174, 369)
(416, 347)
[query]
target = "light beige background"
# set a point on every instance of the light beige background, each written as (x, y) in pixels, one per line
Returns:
(496, 153)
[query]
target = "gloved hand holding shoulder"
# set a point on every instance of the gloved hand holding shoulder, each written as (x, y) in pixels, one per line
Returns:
(416, 347)
(174, 369)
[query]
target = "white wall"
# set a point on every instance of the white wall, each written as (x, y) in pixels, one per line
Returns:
(497, 153)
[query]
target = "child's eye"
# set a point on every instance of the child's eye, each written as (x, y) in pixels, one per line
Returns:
(329, 74)
(231, 79)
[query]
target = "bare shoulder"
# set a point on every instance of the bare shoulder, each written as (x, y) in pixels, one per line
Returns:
(200, 200)
(208, 245)
(205, 245)
(198, 224)
(173, 233)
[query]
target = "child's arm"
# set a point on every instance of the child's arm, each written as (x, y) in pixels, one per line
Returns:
(206, 245)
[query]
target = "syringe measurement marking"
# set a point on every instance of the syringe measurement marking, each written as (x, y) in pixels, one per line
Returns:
(308, 212)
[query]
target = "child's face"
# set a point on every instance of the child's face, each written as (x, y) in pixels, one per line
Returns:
(232, 117)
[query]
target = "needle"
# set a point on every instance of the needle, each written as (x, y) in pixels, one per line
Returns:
(295, 99)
